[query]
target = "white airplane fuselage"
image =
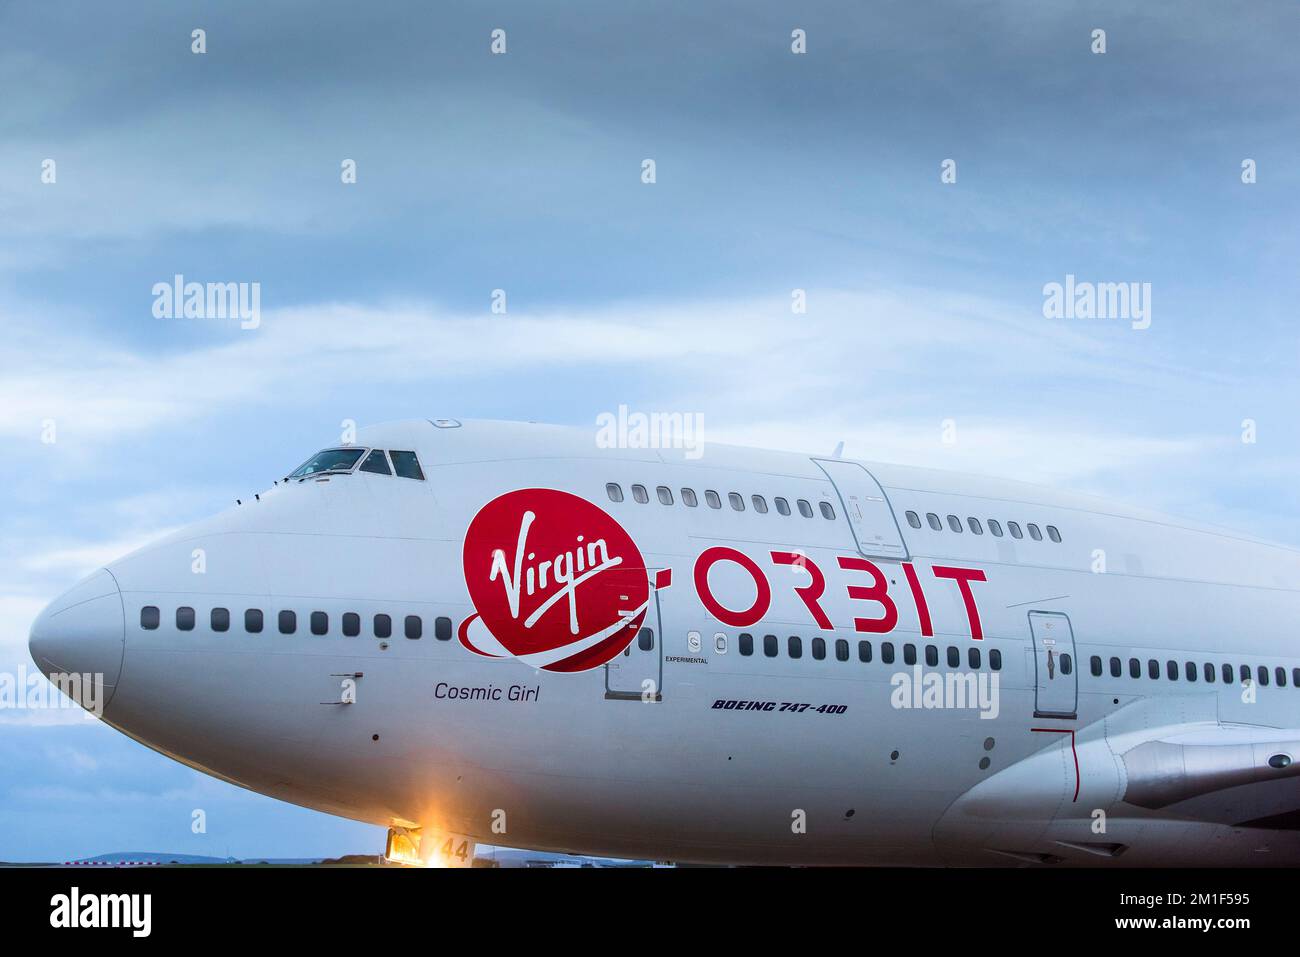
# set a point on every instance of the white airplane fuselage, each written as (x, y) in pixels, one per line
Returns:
(682, 746)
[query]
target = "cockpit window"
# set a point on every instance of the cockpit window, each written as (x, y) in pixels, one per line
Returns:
(376, 462)
(406, 465)
(328, 460)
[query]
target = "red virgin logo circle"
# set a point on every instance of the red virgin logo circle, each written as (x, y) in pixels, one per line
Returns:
(556, 582)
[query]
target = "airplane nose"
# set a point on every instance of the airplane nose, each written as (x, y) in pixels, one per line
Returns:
(78, 641)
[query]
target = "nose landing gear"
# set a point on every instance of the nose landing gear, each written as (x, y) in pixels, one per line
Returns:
(421, 847)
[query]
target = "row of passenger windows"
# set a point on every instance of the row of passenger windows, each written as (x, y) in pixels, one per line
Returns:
(1190, 671)
(381, 626)
(713, 500)
(995, 527)
(794, 649)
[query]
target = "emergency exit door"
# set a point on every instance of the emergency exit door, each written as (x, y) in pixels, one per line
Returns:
(866, 508)
(636, 673)
(1056, 692)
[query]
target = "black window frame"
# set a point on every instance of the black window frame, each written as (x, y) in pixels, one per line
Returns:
(398, 469)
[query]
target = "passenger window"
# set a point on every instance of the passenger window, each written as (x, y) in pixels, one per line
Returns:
(220, 619)
(760, 504)
(688, 497)
(1067, 663)
(1153, 669)
(1114, 668)
(769, 646)
(804, 508)
(737, 501)
(665, 495)
(954, 523)
(841, 649)
(795, 646)
(931, 655)
(1245, 673)
(1095, 665)
(1209, 672)
(413, 627)
(973, 658)
(828, 512)
(746, 644)
(1034, 533)
(253, 621)
(1190, 670)
(974, 524)
(1015, 531)
(995, 660)
(782, 505)
(995, 528)
(185, 618)
(1263, 676)
(376, 462)
(645, 639)
(351, 624)
(288, 622)
(614, 491)
(1227, 673)
(442, 628)
(1053, 534)
(320, 623)
(1134, 668)
(406, 465)
(383, 626)
(712, 499)
(909, 654)
(640, 495)
(933, 519)
(1279, 676)
(1171, 670)
(149, 617)
(1295, 677)
(913, 519)
(954, 657)
(818, 648)
(864, 651)
(887, 652)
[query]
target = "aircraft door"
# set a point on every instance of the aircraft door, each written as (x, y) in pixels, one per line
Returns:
(1056, 673)
(866, 508)
(637, 671)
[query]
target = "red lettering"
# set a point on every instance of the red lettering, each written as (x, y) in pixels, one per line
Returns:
(878, 592)
(963, 577)
(810, 593)
(739, 619)
(922, 609)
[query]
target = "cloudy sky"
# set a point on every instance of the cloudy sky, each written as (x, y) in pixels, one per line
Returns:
(523, 172)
